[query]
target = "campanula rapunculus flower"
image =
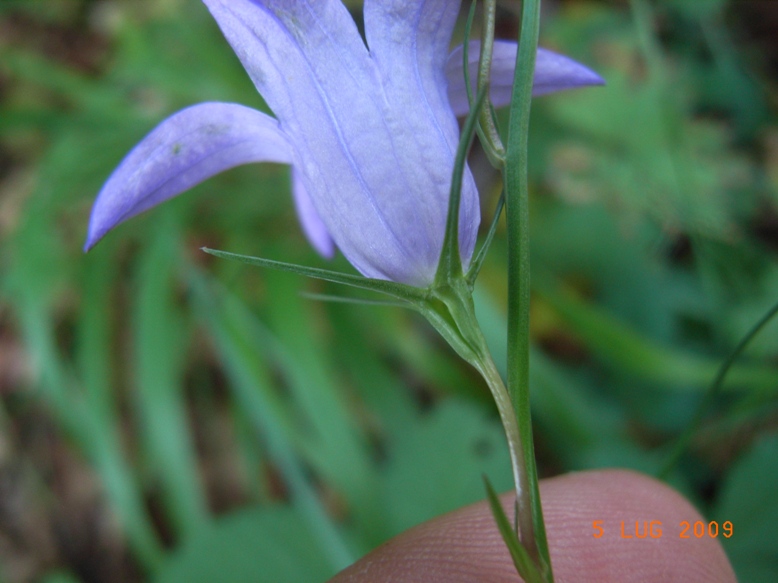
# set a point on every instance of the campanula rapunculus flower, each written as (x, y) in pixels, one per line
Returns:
(369, 130)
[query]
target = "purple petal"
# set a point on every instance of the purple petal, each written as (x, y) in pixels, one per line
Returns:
(409, 41)
(185, 149)
(553, 72)
(377, 176)
(314, 228)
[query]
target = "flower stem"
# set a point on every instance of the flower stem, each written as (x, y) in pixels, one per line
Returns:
(517, 204)
(449, 307)
(524, 523)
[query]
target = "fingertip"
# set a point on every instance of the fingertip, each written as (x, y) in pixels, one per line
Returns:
(465, 545)
(618, 525)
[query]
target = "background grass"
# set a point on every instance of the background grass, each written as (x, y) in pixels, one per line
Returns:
(166, 416)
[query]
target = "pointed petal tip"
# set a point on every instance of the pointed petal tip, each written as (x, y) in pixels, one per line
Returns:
(326, 250)
(103, 218)
(93, 237)
(555, 72)
(182, 151)
(592, 78)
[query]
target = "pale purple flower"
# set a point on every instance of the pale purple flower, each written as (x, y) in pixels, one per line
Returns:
(370, 133)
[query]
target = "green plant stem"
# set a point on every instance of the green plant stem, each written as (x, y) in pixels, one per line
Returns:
(449, 307)
(524, 523)
(533, 535)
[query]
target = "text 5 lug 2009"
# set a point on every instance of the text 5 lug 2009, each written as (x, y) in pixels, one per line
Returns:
(656, 529)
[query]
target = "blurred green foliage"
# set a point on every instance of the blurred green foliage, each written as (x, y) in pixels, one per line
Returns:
(181, 417)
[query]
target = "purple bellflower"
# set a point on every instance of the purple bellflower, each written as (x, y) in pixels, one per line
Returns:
(370, 133)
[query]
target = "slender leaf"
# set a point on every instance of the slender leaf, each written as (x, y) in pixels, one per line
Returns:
(521, 558)
(398, 290)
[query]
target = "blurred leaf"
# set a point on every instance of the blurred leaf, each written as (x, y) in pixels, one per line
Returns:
(749, 499)
(360, 340)
(258, 545)
(624, 348)
(160, 347)
(99, 380)
(699, 8)
(318, 393)
(636, 143)
(242, 343)
(66, 83)
(89, 431)
(436, 464)
(59, 577)
(584, 429)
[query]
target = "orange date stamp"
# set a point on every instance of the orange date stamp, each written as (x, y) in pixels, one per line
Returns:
(639, 529)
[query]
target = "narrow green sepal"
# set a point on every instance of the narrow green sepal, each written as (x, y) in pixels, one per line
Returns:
(398, 290)
(359, 301)
(466, 53)
(450, 263)
(478, 260)
(495, 152)
(521, 558)
(490, 136)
